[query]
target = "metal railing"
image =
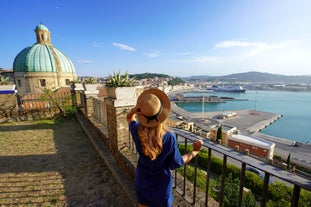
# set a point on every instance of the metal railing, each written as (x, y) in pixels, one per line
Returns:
(240, 160)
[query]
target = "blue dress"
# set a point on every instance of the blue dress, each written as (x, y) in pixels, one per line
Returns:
(153, 180)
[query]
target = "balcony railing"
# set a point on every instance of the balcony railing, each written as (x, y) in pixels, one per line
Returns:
(192, 192)
(236, 158)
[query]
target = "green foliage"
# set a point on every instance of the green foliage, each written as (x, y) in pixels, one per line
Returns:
(305, 198)
(149, 75)
(249, 200)
(288, 161)
(175, 81)
(118, 80)
(231, 192)
(4, 80)
(64, 105)
(89, 80)
(201, 176)
(278, 193)
(280, 203)
(277, 157)
(219, 133)
(70, 111)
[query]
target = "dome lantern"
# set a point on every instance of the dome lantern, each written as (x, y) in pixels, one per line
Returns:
(43, 34)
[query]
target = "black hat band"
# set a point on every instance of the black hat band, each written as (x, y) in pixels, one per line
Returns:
(150, 118)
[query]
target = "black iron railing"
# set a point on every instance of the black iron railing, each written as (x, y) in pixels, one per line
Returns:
(229, 156)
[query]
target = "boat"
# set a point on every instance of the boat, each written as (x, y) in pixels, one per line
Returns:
(203, 90)
(231, 89)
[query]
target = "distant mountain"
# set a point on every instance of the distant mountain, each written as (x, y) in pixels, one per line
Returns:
(256, 77)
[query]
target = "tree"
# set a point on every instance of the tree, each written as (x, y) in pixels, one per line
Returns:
(175, 81)
(288, 161)
(219, 133)
(64, 105)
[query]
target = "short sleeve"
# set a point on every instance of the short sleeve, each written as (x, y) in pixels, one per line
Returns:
(175, 157)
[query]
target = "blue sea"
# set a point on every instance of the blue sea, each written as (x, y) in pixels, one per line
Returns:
(294, 106)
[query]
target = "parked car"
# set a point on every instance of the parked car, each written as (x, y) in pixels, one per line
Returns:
(259, 173)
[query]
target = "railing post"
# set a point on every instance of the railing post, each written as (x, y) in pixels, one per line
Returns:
(195, 179)
(242, 179)
(265, 190)
(223, 178)
(295, 197)
(208, 175)
(185, 171)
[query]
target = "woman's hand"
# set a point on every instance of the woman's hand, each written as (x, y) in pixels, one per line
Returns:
(197, 144)
(131, 114)
(137, 107)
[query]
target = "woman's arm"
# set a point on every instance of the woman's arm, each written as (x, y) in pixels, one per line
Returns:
(197, 144)
(131, 114)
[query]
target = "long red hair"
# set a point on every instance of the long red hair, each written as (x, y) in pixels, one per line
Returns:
(151, 139)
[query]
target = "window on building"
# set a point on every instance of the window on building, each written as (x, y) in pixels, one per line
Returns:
(19, 83)
(67, 82)
(42, 82)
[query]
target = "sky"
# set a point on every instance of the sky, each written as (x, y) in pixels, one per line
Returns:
(175, 37)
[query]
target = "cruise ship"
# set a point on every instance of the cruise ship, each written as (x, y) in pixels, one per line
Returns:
(231, 89)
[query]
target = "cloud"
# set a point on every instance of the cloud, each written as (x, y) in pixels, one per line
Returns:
(85, 61)
(123, 47)
(152, 55)
(232, 43)
(255, 48)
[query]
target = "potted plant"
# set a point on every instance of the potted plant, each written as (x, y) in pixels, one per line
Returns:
(120, 86)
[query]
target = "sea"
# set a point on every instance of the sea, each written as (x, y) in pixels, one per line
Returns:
(295, 107)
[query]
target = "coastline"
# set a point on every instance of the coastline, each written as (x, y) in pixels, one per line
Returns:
(250, 123)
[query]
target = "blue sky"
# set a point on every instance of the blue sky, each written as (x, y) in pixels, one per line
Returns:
(175, 37)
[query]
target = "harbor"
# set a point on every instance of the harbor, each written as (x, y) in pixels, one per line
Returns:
(251, 123)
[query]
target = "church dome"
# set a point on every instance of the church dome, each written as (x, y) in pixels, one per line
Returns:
(42, 56)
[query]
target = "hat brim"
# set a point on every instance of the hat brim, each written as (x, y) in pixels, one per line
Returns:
(166, 108)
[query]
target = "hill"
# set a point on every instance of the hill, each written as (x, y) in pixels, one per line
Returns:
(256, 77)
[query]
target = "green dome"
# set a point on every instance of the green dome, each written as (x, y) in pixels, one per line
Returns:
(42, 58)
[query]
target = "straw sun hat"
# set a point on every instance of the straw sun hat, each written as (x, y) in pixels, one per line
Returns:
(155, 107)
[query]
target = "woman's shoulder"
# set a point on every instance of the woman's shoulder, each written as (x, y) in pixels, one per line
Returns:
(169, 136)
(133, 123)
